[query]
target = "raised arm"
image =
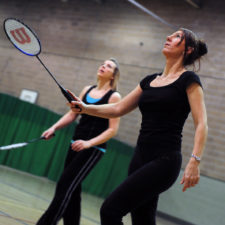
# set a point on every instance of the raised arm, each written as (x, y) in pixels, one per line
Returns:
(196, 100)
(65, 120)
(113, 110)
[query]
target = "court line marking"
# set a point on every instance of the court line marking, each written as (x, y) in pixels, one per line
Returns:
(13, 218)
(24, 221)
(25, 191)
(36, 196)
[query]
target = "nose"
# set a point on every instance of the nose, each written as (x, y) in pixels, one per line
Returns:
(168, 38)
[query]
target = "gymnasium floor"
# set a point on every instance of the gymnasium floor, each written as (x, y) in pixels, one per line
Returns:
(24, 197)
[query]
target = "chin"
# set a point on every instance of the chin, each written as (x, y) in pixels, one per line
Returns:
(165, 52)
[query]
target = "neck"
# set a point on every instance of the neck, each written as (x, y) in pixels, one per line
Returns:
(103, 85)
(173, 66)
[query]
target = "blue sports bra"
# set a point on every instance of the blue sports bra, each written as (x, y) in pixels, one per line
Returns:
(91, 100)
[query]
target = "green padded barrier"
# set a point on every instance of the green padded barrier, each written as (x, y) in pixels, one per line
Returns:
(21, 121)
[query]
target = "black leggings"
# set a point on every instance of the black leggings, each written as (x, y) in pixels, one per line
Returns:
(148, 176)
(67, 198)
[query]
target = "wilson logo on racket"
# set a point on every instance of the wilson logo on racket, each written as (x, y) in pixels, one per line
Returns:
(20, 35)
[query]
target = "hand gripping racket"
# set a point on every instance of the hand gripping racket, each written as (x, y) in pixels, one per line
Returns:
(19, 145)
(26, 41)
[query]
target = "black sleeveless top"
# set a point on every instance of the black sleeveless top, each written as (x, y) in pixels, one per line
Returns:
(92, 126)
(164, 111)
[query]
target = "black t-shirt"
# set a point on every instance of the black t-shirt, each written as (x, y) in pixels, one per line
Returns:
(164, 111)
(91, 126)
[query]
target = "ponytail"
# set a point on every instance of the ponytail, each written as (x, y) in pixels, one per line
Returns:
(199, 48)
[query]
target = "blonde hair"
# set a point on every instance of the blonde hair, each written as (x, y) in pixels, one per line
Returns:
(116, 74)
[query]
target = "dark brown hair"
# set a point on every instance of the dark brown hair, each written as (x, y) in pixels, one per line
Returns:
(198, 46)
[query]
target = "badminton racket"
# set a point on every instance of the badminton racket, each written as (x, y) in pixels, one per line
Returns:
(27, 42)
(22, 144)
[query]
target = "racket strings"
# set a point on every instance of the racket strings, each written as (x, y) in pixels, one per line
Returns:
(22, 37)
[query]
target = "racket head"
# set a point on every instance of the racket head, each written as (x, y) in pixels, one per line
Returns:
(8, 147)
(22, 37)
(22, 144)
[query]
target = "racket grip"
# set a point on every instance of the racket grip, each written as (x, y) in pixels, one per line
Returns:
(43, 137)
(66, 94)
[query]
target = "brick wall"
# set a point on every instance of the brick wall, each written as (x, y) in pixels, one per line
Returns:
(77, 36)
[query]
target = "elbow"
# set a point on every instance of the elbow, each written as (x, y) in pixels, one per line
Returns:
(116, 131)
(117, 111)
(113, 132)
(206, 130)
(114, 112)
(203, 127)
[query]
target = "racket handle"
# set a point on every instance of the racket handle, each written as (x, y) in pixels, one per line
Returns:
(43, 137)
(66, 94)
(36, 139)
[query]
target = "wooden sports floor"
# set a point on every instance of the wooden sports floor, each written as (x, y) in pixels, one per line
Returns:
(24, 197)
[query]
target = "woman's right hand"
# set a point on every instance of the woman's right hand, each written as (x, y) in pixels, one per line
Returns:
(48, 134)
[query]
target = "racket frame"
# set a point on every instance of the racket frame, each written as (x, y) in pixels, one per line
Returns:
(22, 144)
(11, 18)
(63, 90)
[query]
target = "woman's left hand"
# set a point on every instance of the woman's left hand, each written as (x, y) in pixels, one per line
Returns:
(80, 145)
(191, 174)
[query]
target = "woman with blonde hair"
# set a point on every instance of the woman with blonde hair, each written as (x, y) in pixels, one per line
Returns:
(87, 148)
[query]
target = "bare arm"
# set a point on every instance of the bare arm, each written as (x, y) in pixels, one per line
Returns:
(112, 110)
(104, 136)
(65, 120)
(196, 100)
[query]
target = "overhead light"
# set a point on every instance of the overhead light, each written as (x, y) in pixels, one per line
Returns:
(195, 3)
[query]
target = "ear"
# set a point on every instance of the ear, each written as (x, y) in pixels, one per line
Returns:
(190, 50)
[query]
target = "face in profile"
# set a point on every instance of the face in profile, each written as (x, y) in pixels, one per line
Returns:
(106, 70)
(174, 45)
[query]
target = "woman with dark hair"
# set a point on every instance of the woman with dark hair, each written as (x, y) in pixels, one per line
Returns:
(165, 100)
(87, 148)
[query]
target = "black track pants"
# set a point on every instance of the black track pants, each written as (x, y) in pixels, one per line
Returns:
(67, 198)
(138, 194)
